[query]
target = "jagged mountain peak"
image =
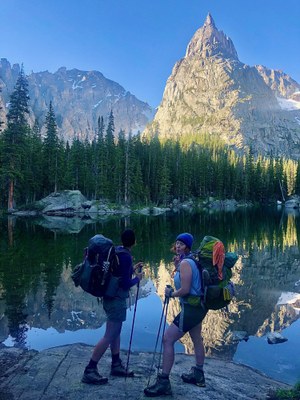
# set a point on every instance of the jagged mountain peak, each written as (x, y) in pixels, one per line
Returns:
(211, 91)
(209, 21)
(208, 41)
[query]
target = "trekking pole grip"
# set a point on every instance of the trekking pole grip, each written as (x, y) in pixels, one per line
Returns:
(167, 298)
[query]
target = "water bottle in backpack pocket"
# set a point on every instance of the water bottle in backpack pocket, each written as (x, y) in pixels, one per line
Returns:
(216, 297)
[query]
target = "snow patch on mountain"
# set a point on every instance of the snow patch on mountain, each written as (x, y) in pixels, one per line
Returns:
(288, 104)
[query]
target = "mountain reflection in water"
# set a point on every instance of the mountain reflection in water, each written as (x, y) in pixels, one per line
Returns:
(41, 308)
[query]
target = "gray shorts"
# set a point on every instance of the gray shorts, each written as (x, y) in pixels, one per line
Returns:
(115, 309)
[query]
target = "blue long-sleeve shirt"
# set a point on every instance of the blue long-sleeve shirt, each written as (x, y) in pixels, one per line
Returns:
(125, 268)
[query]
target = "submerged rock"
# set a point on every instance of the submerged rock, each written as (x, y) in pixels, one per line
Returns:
(238, 336)
(275, 338)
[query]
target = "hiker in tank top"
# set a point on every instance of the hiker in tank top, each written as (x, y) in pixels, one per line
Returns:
(187, 289)
(115, 310)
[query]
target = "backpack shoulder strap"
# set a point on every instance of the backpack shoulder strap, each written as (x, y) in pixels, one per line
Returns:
(119, 250)
(193, 257)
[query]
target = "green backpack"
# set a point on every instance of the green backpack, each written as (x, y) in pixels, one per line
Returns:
(216, 270)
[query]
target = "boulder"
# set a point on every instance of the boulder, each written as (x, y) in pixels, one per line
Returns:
(66, 202)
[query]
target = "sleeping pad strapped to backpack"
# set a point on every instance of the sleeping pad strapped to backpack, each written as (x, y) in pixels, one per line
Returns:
(94, 274)
(215, 266)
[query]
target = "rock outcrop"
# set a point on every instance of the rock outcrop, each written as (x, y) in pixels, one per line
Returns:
(56, 373)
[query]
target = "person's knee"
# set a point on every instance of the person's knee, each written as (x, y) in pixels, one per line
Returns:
(113, 329)
(168, 340)
(197, 341)
(106, 339)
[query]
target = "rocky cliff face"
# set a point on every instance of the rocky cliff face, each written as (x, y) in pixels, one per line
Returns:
(211, 91)
(78, 98)
(280, 83)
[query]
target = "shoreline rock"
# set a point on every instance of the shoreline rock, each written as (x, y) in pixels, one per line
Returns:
(71, 203)
(55, 374)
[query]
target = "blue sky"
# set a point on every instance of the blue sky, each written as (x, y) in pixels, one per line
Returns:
(137, 42)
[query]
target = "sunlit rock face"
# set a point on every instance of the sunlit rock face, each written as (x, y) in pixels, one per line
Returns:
(280, 83)
(79, 98)
(211, 91)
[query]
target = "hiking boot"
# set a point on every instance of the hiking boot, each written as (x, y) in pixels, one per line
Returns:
(161, 387)
(91, 375)
(118, 369)
(195, 376)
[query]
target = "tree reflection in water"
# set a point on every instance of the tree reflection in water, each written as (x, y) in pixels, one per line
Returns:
(35, 265)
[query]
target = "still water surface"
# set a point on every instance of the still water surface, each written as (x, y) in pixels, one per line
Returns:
(40, 307)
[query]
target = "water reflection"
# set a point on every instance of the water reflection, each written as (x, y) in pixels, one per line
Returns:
(37, 295)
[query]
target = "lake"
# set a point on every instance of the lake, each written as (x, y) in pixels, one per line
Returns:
(40, 307)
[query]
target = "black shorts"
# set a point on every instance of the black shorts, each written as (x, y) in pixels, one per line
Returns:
(189, 316)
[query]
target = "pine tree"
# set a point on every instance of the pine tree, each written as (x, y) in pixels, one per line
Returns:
(1, 108)
(280, 178)
(100, 129)
(109, 163)
(120, 167)
(136, 191)
(51, 151)
(88, 184)
(97, 160)
(165, 183)
(75, 162)
(110, 131)
(14, 137)
(153, 165)
(297, 183)
(249, 180)
(33, 168)
(127, 177)
(290, 169)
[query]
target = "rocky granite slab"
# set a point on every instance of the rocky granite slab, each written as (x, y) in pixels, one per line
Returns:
(55, 374)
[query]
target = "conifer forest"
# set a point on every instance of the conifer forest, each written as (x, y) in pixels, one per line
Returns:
(129, 169)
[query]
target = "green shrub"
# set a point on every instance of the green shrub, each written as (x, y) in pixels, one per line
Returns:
(286, 394)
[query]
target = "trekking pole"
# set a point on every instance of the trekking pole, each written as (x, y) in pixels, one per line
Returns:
(163, 332)
(157, 339)
(132, 327)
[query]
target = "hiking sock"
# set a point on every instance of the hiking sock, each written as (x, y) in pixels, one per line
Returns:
(92, 364)
(198, 366)
(115, 358)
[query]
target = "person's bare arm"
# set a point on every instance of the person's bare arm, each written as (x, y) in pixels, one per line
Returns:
(185, 278)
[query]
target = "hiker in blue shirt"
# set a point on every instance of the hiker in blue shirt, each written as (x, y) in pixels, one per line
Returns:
(115, 310)
(187, 289)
